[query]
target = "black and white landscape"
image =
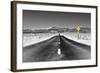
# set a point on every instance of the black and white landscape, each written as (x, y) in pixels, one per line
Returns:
(52, 36)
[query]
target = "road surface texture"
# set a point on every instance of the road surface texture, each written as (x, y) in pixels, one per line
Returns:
(48, 50)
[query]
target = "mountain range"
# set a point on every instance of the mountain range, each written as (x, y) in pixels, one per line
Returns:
(57, 29)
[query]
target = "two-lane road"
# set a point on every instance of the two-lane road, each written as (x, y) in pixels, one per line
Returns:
(48, 50)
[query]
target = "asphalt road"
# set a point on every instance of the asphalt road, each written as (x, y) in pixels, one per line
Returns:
(48, 50)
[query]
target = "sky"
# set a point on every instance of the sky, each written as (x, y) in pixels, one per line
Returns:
(46, 19)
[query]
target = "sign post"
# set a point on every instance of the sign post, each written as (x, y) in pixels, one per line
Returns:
(78, 30)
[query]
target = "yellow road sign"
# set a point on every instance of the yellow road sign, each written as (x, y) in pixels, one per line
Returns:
(78, 28)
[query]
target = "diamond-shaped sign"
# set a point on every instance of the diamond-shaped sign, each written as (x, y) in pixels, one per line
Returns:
(78, 28)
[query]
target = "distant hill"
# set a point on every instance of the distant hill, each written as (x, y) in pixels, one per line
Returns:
(57, 29)
(82, 30)
(27, 31)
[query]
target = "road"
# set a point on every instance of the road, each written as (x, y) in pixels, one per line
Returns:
(48, 50)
